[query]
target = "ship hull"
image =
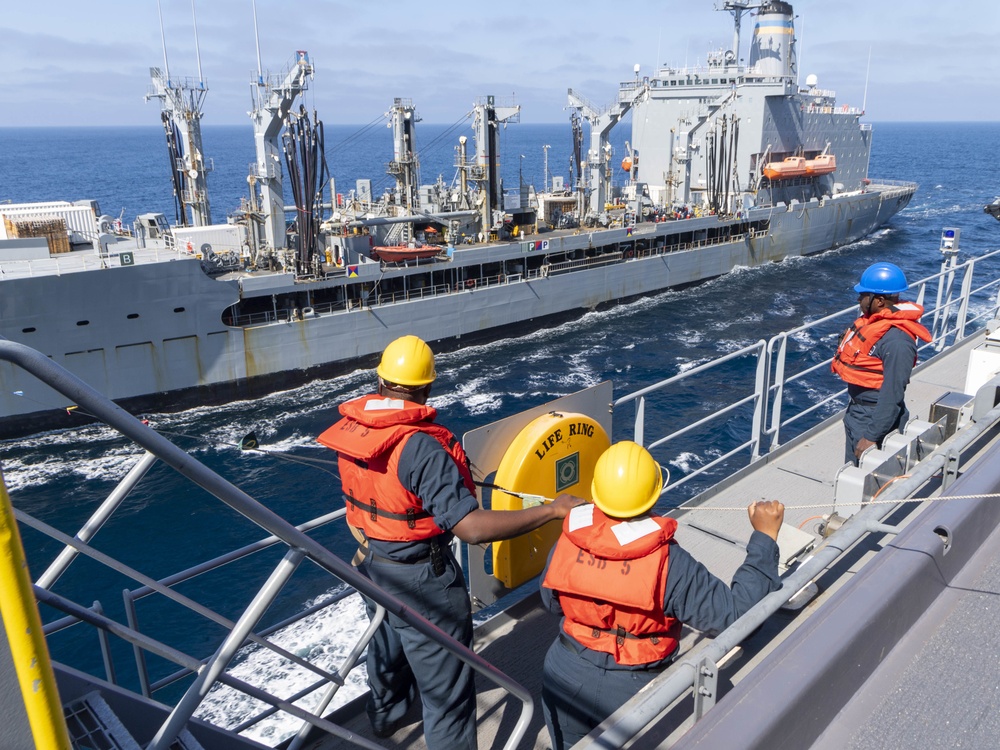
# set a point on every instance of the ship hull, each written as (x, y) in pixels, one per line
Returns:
(173, 349)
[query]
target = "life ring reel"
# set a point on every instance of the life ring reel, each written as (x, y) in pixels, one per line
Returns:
(553, 453)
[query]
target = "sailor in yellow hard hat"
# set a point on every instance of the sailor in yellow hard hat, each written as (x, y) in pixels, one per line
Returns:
(408, 489)
(624, 587)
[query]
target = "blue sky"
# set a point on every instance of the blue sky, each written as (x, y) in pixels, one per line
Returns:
(67, 62)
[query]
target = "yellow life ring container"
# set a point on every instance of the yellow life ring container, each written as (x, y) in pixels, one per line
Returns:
(554, 453)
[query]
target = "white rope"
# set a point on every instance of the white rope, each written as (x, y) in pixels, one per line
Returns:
(869, 502)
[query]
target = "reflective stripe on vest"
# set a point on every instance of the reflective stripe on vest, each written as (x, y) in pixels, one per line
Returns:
(369, 441)
(612, 593)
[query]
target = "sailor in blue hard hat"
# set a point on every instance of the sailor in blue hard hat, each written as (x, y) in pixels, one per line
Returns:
(882, 278)
(875, 357)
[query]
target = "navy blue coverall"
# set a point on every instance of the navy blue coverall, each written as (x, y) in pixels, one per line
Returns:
(875, 412)
(582, 687)
(402, 661)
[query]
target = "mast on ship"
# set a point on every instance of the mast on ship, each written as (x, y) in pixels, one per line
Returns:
(487, 117)
(597, 165)
(405, 166)
(180, 112)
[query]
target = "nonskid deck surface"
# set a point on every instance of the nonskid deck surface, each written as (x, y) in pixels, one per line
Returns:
(801, 475)
(938, 687)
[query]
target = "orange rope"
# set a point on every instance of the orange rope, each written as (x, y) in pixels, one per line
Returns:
(811, 518)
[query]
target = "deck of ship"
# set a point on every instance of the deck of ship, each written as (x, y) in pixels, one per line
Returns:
(827, 673)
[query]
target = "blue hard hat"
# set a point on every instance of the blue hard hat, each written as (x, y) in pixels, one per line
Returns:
(882, 278)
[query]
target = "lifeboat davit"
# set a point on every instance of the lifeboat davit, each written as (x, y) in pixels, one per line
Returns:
(792, 166)
(822, 164)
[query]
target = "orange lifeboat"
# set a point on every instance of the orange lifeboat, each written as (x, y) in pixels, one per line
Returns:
(627, 164)
(792, 166)
(822, 164)
(401, 253)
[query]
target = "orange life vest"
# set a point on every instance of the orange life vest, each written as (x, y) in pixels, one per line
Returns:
(369, 441)
(612, 593)
(854, 362)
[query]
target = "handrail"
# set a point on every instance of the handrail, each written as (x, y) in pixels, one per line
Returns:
(114, 416)
(629, 720)
(178, 657)
(768, 394)
(374, 299)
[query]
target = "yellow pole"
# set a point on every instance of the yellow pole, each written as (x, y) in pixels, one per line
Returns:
(27, 642)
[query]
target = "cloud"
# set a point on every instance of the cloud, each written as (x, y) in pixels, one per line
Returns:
(88, 63)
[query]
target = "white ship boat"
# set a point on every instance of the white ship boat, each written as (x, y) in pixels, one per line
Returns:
(159, 317)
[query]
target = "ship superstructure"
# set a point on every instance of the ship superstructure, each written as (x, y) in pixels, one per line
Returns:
(704, 136)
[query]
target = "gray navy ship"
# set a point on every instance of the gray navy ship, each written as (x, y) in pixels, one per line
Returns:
(729, 164)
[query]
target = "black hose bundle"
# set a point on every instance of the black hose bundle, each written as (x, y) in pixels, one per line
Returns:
(176, 156)
(308, 175)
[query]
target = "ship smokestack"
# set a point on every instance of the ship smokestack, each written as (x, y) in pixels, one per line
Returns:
(772, 51)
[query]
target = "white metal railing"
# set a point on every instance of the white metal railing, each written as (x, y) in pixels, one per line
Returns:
(702, 667)
(764, 403)
(211, 670)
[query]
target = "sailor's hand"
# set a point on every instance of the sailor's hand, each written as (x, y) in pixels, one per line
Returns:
(564, 503)
(863, 445)
(766, 516)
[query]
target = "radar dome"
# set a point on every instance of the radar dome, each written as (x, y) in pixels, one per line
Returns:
(811, 80)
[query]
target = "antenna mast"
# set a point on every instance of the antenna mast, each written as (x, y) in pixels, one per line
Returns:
(864, 102)
(197, 48)
(163, 41)
(256, 37)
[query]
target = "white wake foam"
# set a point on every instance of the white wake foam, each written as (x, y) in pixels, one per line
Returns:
(324, 639)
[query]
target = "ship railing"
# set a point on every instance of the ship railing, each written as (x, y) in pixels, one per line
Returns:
(373, 299)
(266, 171)
(567, 266)
(627, 254)
(287, 315)
(953, 313)
(891, 188)
(787, 373)
(81, 260)
(210, 671)
(700, 670)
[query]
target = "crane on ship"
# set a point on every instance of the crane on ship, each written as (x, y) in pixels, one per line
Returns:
(181, 101)
(273, 99)
(601, 122)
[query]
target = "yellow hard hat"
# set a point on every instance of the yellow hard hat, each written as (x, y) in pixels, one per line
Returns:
(407, 361)
(627, 481)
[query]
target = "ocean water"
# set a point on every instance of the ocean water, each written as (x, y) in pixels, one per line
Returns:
(166, 525)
